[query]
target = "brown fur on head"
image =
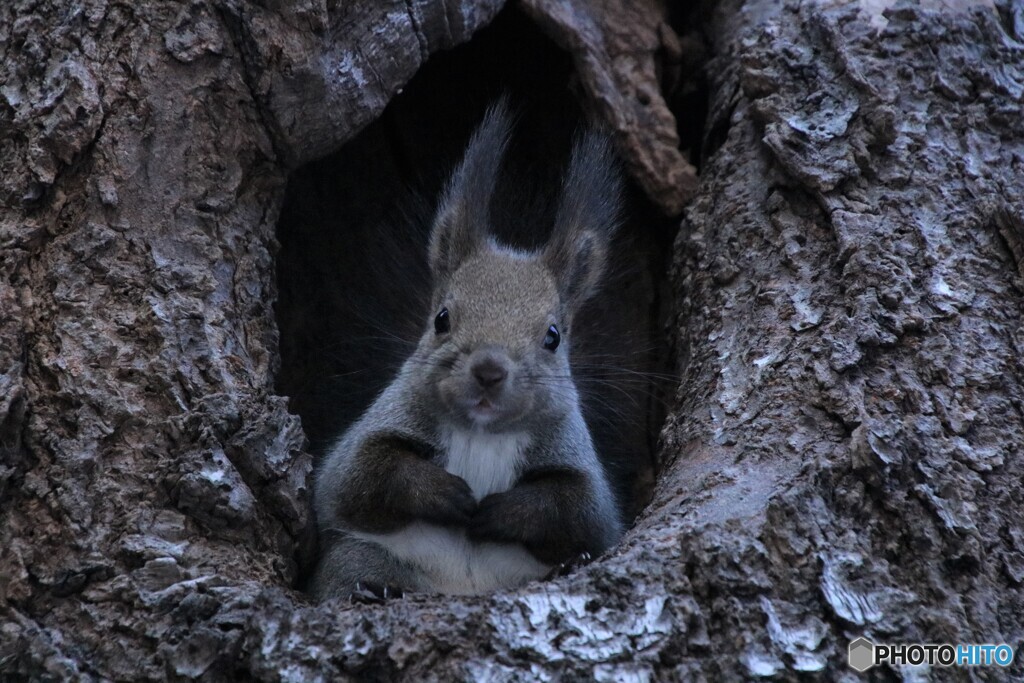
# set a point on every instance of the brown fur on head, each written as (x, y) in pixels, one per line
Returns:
(497, 353)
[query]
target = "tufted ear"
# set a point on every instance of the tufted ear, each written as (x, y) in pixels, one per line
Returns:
(462, 221)
(587, 217)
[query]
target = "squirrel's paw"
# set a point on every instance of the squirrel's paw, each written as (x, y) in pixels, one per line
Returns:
(569, 566)
(492, 521)
(449, 500)
(368, 593)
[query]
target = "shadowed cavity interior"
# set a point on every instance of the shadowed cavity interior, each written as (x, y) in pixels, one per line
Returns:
(353, 282)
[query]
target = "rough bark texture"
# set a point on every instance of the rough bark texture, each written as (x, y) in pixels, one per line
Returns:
(850, 422)
(623, 51)
(843, 453)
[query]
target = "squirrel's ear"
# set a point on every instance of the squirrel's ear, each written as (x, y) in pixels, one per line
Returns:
(588, 215)
(462, 220)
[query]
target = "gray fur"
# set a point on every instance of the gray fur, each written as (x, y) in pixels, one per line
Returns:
(588, 214)
(521, 445)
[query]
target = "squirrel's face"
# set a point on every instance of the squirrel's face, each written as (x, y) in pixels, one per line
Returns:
(496, 352)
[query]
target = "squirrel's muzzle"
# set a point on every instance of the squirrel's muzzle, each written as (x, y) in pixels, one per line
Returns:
(489, 371)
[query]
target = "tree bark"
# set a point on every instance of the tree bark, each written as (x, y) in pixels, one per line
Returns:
(841, 457)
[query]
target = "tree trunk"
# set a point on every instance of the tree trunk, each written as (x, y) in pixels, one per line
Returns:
(841, 457)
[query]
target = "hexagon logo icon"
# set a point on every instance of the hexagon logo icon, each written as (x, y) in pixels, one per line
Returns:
(862, 654)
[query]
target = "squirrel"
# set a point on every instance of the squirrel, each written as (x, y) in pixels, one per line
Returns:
(474, 470)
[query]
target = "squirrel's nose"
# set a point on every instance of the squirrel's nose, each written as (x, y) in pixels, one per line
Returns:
(489, 372)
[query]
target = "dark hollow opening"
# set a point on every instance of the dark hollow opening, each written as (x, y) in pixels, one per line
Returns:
(352, 275)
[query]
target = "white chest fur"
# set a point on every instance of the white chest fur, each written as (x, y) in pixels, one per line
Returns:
(488, 462)
(448, 561)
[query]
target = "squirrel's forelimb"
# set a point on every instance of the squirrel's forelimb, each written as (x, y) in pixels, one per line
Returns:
(549, 511)
(392, 482)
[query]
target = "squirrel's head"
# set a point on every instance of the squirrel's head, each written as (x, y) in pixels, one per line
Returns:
(496, 350)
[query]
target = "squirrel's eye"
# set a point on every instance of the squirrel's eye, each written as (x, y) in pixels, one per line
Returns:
(442, 323)
(552, 338)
